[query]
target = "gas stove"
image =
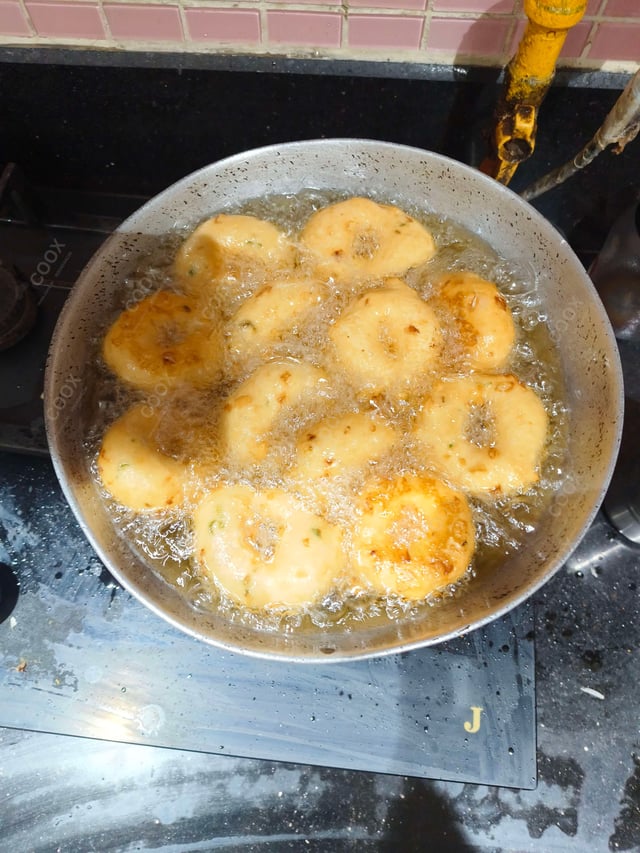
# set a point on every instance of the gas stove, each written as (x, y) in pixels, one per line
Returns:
(79, 656)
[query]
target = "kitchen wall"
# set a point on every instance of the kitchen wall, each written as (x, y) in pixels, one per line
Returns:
(480, 32)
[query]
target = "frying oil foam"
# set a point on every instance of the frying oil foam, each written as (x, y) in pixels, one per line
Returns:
(164, 540)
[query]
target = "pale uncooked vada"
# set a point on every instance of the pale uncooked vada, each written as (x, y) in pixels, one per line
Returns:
(484, 433)
(251, 411)
(481, 317)
(264, 549)
(360, 238)
(387, 339)
(338, 445)
(274, 311)
(133, 467)
(414, 536)
(164, 340)
(231, 244)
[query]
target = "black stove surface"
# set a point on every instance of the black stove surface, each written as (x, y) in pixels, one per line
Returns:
(77, 649)
(80, 656)
(47, 236)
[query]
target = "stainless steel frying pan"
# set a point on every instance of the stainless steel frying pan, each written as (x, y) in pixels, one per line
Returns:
(577, 321)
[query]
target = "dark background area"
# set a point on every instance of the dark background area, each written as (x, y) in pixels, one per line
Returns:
(138, 129)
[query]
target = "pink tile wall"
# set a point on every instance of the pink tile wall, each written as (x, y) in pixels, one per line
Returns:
(389, 4)
(576, 40)
(223, 25)
(13, 21)
(149, 22)
(619, 40)
(493, 6)
(313, 29)
(385, 31)
(66, 20)
(622, 8)
(483, 31)
(466, 36)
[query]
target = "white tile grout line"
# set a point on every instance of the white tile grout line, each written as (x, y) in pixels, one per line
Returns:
(344, 30)
(264, 23)
(426, 27)
(105, 22)
(586, 50)
(27, 15)
(186, 35)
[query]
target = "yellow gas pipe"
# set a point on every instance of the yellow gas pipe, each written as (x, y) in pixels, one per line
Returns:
(527, 80)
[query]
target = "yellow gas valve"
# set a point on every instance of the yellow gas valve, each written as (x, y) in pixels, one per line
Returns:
(527, 80)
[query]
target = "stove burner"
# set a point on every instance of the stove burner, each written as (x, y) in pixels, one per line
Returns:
(9, 591)
(17, 309)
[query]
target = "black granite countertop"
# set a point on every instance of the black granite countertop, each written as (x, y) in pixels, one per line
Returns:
(136, 129)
